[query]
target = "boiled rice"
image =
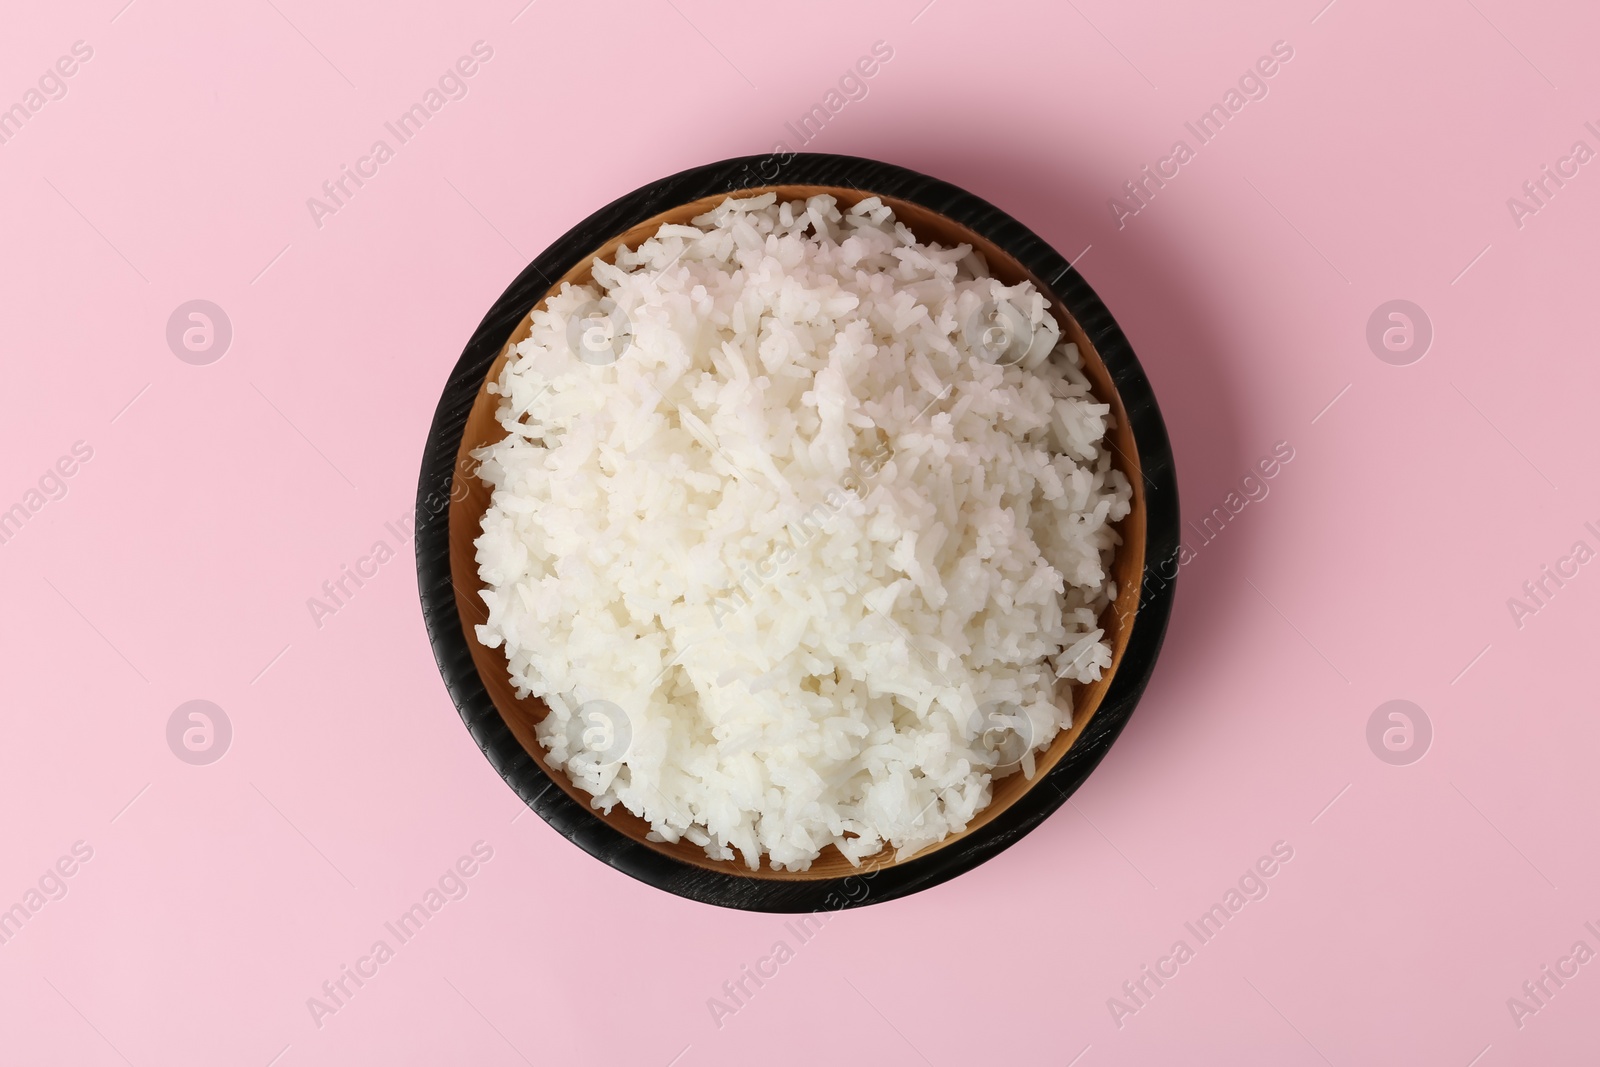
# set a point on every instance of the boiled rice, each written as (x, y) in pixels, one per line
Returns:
(796, 525)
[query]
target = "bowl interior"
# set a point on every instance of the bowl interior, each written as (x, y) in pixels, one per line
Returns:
(470, 499)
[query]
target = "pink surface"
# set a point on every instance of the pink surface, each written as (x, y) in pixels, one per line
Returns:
(217, 898)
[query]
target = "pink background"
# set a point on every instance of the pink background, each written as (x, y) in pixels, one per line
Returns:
(220, 897)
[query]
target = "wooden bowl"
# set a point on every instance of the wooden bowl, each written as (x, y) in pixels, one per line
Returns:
(451, 503)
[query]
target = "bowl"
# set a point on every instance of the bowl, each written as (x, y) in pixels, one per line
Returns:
(451, 502)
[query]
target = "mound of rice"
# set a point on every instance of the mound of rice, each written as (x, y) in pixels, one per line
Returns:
(796, 525)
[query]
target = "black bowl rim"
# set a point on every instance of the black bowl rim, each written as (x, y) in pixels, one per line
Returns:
(576, 821)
